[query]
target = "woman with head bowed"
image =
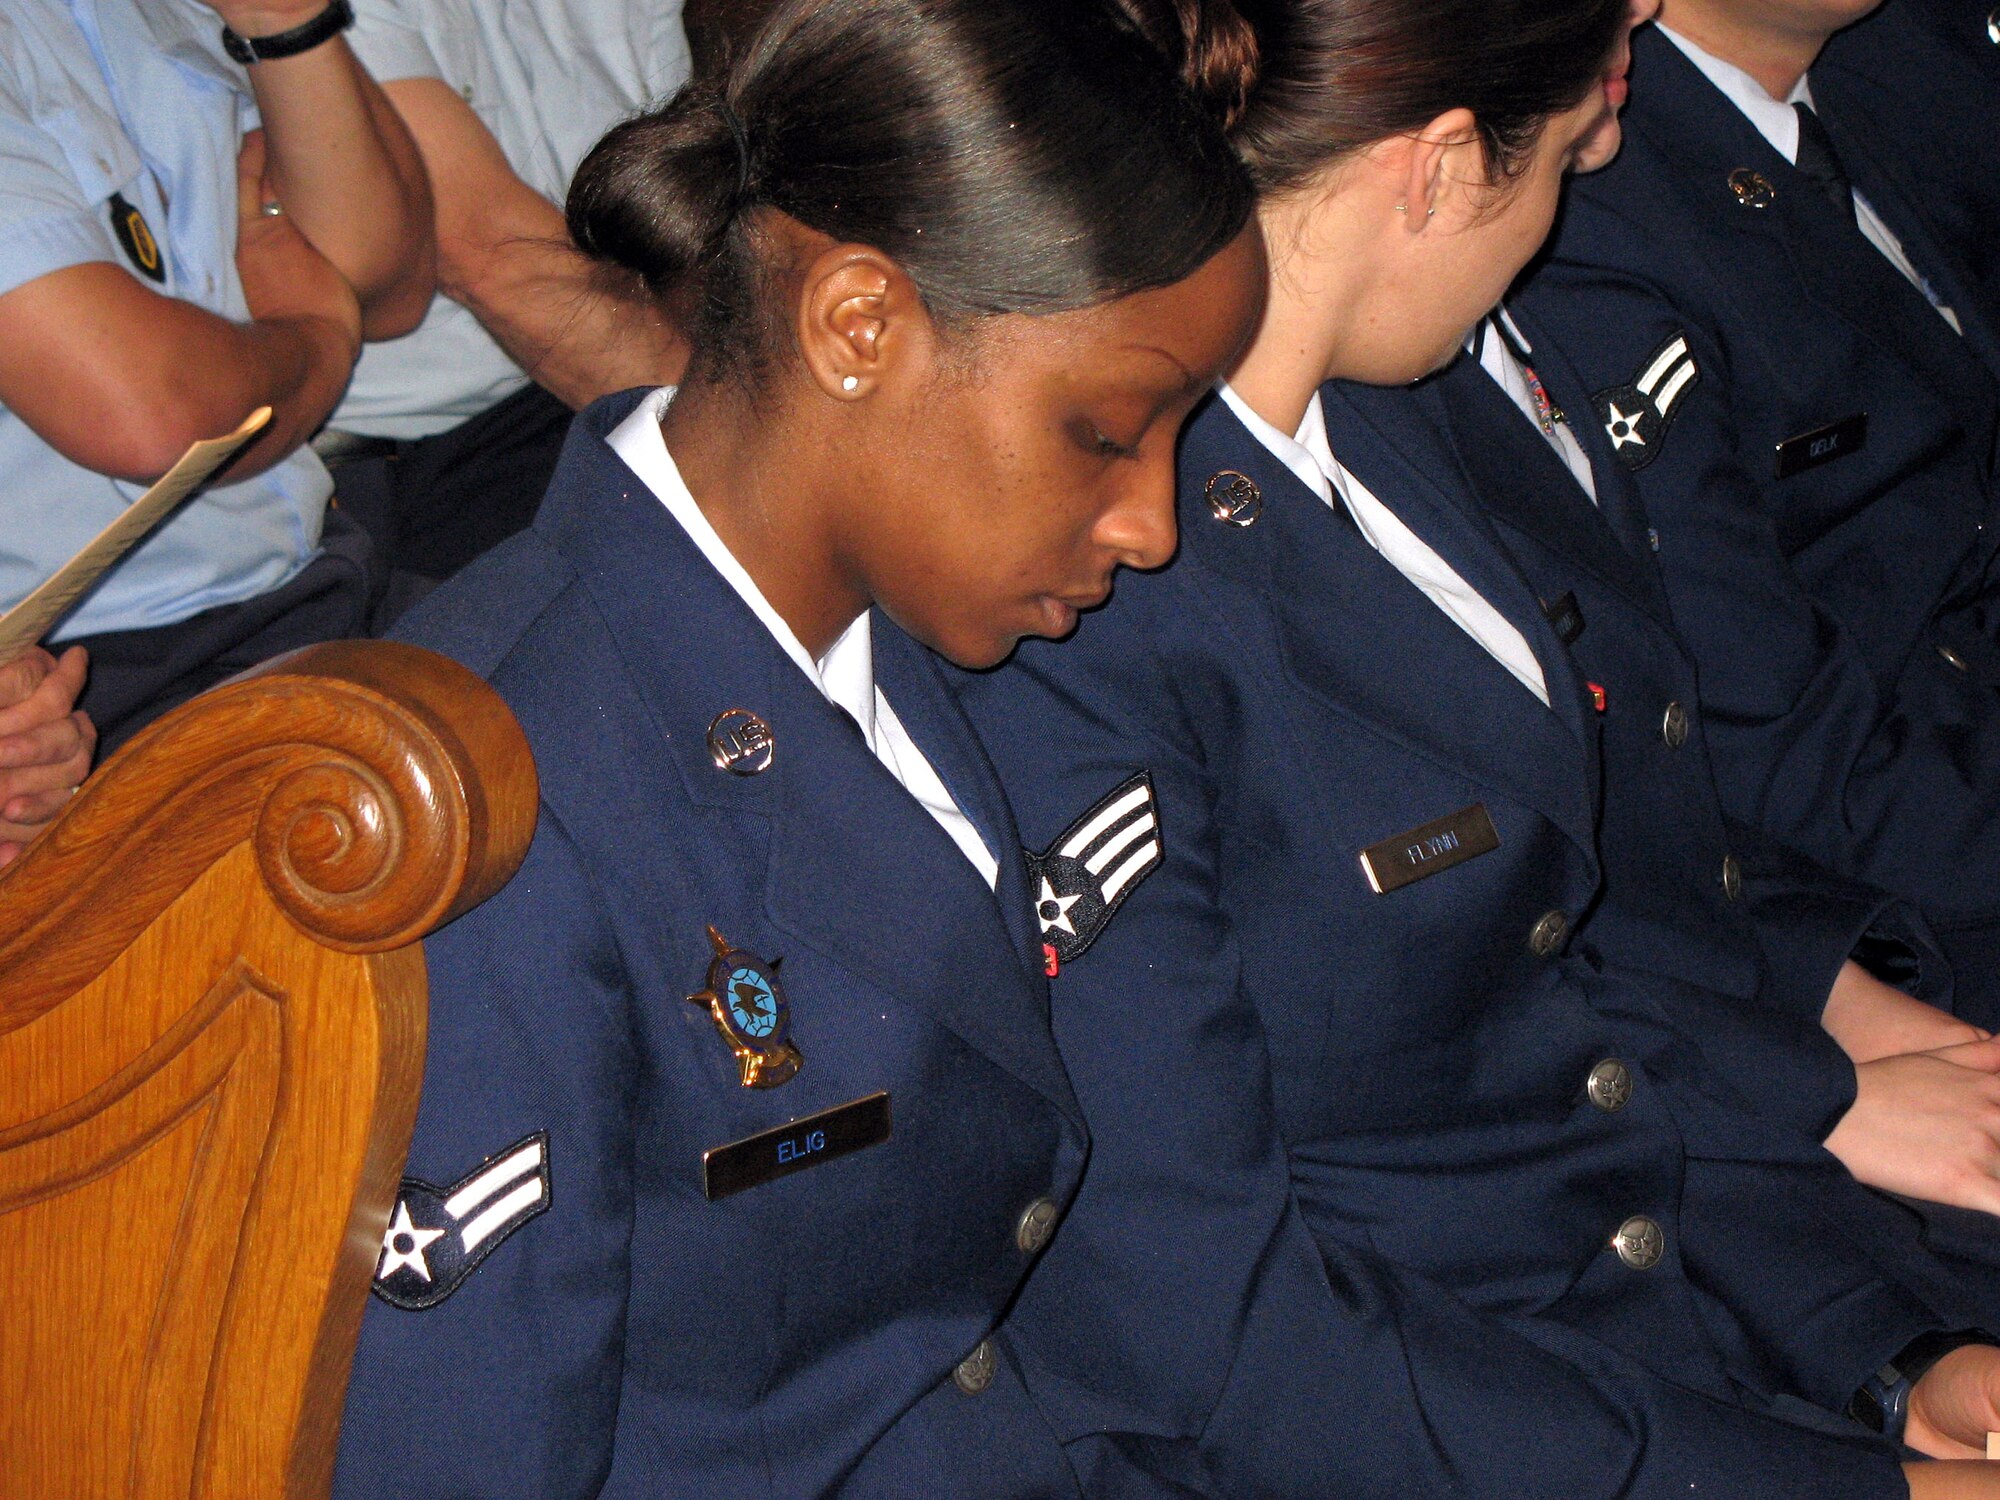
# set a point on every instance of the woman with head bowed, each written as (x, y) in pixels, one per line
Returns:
(742, 1124)
(1458, 1077)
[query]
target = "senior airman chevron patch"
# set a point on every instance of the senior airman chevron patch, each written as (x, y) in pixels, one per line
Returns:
(438, 1236)
(1636, 416)
(1082, 879)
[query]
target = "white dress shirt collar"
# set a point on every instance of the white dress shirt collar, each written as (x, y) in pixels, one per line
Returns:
(1309, 455)
(845, 676)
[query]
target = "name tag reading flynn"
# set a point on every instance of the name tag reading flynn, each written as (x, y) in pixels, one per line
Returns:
(1822, 445)
(772, 1154)
(1434, 847)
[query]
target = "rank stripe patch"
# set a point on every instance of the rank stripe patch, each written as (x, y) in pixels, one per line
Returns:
(439, 1235)
(1094, 864)
(1636, 416)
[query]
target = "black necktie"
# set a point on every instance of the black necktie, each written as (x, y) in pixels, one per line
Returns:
(1820, 162)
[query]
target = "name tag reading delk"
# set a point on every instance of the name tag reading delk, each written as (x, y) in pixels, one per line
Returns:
(771, 1154)
(1822, 445)
(1427, 850)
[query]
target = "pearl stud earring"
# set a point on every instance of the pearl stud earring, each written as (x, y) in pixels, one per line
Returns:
(851, 384)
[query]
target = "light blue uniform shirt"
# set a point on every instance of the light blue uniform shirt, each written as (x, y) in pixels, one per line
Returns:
(547, 78)
(133, 98)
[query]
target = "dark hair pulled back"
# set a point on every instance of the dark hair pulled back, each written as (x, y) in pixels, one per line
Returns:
(1012, 156)
(1302, 83)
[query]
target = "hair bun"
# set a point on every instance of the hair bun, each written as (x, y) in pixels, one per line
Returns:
(658, 194)
(1212, 45)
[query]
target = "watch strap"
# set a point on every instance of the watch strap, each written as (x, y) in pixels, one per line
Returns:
(329, 23)
(1882, 1404)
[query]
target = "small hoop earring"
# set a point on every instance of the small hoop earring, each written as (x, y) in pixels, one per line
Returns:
(851, 383)
(1430, 213)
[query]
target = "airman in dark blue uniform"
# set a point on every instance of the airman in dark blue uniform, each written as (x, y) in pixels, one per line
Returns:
(1811, 422)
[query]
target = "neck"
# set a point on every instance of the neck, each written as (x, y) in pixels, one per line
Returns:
(1774, 53)
(764, 487)
(1319, 298)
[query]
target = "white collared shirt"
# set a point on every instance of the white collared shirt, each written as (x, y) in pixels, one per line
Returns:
(1309, 455)
(845, 676)
(1778, 123)
(1497, 359)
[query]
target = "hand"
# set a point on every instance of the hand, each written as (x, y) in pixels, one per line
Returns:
(283, 275)
(1871, 1019)
(1953, 1481)
(45, 742)
(1955, 1404)
(1927, 1125)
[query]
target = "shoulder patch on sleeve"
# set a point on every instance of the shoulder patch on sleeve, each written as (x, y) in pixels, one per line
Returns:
(1636, 416)
(1079, 882)
(439, 1235)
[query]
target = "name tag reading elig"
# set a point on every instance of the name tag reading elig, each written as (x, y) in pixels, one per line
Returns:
(1437, 845)
(772, 1154)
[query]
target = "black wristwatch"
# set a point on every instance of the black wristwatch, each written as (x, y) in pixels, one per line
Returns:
(329, 23)
(1883, 1402)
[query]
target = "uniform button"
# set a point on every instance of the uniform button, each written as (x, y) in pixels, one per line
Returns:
(1639, 1243)
(1732, 877)
(1610, 1085)
(975, 1371)
(1674, 727)
(1954, 658)
(1548, 934)
(1038, 1222)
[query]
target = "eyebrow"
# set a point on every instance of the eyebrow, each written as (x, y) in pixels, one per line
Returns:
(1189, 380)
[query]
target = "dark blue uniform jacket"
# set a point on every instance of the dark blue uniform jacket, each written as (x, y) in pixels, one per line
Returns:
(1814, 449)
(798, 1338)
(1392, 1089)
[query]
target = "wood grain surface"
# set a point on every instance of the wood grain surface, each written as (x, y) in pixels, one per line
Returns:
(211, 1044)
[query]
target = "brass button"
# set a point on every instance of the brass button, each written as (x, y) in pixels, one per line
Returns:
(1548, 934)
(1609, 1085)
(1639, 1243)
(1674, 727)
(975, 1372)
(1732, 877)
(1234, 498)
(1038, 1222)
(1954, 658)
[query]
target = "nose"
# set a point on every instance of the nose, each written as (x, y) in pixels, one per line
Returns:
(1139, 526)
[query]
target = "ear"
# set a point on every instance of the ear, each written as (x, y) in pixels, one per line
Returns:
(861, 319)
(1440, 167)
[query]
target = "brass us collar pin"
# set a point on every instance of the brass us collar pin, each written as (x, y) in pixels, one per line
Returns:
(747, 1003)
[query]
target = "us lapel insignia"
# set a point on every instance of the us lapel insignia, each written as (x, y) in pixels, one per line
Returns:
(1751, 189)
(1082, 879)
(135, 238)
(439, 1235)
(1636, 416)
(747, 1003)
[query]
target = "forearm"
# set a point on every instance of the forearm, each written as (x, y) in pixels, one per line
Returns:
(343, 165)
(121, 380)
(578, 337)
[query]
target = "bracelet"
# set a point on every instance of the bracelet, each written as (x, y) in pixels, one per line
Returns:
(1883, 1402)
(329, 23)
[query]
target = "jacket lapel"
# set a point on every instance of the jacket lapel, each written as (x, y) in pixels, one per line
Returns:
(856, 867)
(1522, 480)
(909, 675)
(1363, 640)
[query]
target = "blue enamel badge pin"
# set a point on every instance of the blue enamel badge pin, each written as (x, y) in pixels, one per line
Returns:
(747, 1004)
